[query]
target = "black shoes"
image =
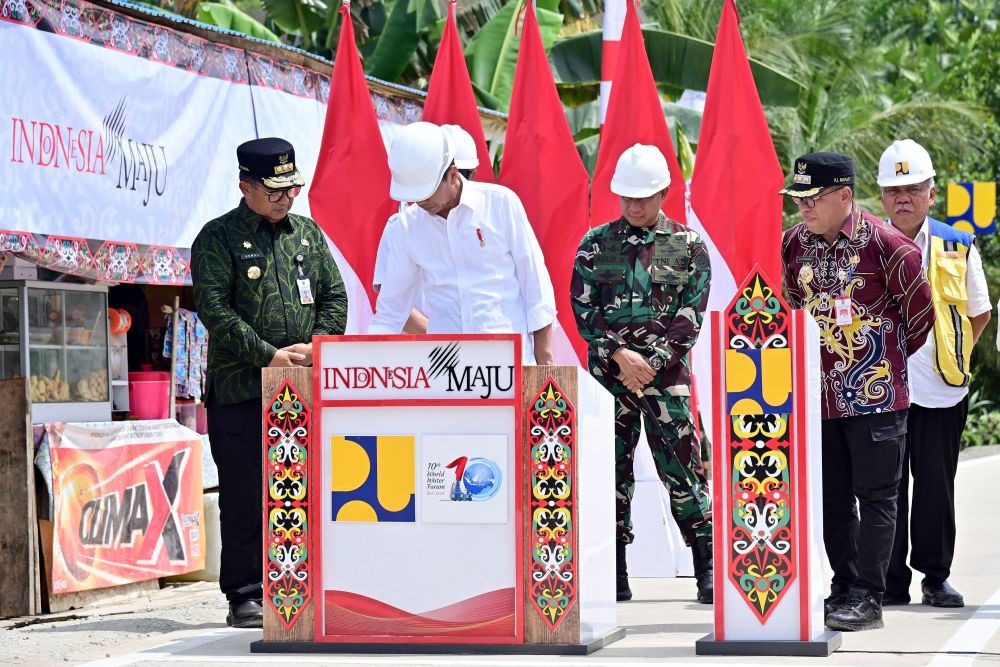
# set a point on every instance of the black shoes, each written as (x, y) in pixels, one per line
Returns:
(941, 594)
(624, 593)
(895, 600)
(860, 612)
(703, 570)
(246, 614)
(833, 603)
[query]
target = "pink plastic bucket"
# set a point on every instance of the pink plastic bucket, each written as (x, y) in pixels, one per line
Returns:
(149, 395)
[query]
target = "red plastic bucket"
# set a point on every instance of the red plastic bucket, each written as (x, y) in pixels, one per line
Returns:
(149, 395)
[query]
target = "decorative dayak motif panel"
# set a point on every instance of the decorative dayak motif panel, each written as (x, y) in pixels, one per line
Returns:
(118, 262)
(552, 443)
(759, 400)
(287, 429)
(108, 261)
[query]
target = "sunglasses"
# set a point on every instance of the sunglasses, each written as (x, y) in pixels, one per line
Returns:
(274, 196)
(810, 202)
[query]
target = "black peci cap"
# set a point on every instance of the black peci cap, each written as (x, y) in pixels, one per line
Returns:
(271, 161)
(816, 171)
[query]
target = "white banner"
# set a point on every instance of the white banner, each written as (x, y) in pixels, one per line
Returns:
(424, 368)
(118, 139)
(101, 144)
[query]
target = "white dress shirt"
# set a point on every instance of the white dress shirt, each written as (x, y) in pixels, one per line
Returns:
(927, 388)
(382, 257)
(481, 269)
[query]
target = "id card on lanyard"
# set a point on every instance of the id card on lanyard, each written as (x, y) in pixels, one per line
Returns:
(842, 311)
(842, 306)
(303, 283)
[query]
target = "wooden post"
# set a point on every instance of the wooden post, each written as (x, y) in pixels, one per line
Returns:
(20, 567)
(288, 430)
(551, 602)
(174, 326)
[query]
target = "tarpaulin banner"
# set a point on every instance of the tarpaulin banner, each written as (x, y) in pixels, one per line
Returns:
(128, 503)
(104, 144)
(118, 138)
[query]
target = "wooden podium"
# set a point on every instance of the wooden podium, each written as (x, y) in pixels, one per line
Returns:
(428, 494)
(767, 479)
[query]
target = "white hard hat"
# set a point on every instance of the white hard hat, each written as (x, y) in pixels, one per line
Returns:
(464, 145)
(641, 172)
(904, 163)
(418, 158)
(389, 131)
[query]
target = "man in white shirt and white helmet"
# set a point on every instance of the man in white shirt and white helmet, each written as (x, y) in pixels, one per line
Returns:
(468, 245)
(466, 158)
(467, 163)
(938, 377)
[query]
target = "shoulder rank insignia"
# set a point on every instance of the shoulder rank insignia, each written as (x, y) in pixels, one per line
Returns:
(247, 245)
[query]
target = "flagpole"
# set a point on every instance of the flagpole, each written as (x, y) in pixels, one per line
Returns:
(614, 21)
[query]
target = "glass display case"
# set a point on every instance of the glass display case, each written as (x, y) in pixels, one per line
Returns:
(57, 335)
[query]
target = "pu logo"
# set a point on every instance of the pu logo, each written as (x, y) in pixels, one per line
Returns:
(902, 168)
(373, 478)
(972, 207)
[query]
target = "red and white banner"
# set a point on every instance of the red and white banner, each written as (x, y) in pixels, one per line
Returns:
(128, 503)
(118, 138)
(102, 144)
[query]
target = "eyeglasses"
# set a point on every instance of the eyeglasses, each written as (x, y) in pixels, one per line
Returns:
(810, 202)
(274, 196)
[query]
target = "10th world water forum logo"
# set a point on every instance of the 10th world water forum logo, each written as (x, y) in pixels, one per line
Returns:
(476, 479)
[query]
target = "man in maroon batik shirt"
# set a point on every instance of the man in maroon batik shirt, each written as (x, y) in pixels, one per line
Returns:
(864, 284)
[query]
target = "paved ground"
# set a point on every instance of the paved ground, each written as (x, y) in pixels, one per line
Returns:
(184, 625)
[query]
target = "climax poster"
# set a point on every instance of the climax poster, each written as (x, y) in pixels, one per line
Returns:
(128, 503)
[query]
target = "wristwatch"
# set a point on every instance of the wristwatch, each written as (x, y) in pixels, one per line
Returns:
(655, 362)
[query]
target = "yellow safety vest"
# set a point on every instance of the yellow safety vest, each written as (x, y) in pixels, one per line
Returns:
(946, 272)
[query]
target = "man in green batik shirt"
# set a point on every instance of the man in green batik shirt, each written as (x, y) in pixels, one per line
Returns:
(265, 283)
(639, 291)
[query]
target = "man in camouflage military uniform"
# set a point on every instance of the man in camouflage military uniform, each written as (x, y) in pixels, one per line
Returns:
(640, 287)
(264, 284)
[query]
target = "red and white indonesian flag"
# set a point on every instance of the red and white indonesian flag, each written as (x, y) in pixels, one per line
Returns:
(635, 115)
(733, 199)
(349, 198)
(614, 21)
(450, 98)
(555, 200)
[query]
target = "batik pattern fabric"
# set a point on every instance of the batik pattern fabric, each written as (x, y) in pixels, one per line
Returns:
(245, 274)
(879, 270)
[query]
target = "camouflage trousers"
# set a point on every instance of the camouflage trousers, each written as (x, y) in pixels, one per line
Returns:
(690, 502)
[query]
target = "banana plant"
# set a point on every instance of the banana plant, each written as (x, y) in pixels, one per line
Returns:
(492, 53)
(678, 62)
(303, 18)
(226, 15)
(406, 25)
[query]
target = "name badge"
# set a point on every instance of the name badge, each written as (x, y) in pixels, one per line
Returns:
(842, 311)
(305, 291)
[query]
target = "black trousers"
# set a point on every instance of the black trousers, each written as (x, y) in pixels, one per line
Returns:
(235, 433)
(932, 445)
(862, 465)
